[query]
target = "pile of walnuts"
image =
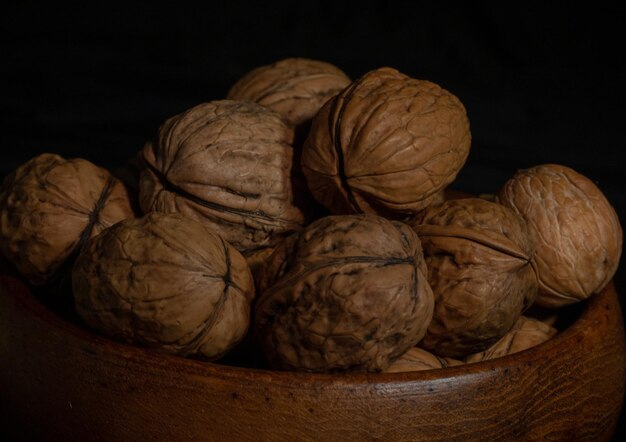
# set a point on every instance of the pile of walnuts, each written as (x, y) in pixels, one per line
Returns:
(306, 216)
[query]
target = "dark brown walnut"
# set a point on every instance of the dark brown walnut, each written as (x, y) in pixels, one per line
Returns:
(575, 228)
(50, 206)
(229, 165)
(387, 144)
(294, 87)
(525, 334)
(352, 295)
(418, 359)
(167, 282)
(478, 255)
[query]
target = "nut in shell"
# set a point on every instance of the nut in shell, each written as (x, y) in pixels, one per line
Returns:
(50, 206)
(229, 165)
(418, 359)
(576, 231)
(294, 87)
(478, 255)
(387, 144)
(352, 296)
(167, 282)
(525, 334)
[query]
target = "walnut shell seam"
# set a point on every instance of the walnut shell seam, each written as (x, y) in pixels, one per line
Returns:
(94, 217)
(335, 129)
(258, 214)
(347, 260)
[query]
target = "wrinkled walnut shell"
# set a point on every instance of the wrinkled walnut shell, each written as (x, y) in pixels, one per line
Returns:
(229, 165)
(387, 144)
(167, 282)
(418, 359)
(478, 257)
(526, 333)
(294, 87)
(50, 206)
(576, 231)
(352, 295)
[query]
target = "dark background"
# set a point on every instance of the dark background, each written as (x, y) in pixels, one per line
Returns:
(540, 84)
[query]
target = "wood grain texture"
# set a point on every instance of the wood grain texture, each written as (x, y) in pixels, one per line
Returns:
(58, 381)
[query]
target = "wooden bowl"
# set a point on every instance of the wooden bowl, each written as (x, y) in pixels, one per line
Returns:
(59, 381)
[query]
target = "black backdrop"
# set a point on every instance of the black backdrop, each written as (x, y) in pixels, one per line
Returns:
(540, 84)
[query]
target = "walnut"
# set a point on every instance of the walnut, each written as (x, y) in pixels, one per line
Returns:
(352, 295)
(295, 87)
(576, 231)
(526, 333)
(50, 206)
(418, 359)
(167, 282)
(478, 256)
(229, 165)
(387, 145)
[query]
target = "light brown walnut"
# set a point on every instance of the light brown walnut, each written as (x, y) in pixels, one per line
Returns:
(348, 293)
(228, 164)
(166, 282)
(576, 231)
(388, 144)
(418, 359)
(478, 255)
(50, 206)
(294, 87)
(525, 334)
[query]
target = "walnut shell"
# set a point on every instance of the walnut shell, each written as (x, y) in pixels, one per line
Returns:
(167, 282)
(478, 256)
(294, 87)
(50, 206)
(229, 165)
(387, 144)
(418, 359)
(526, 333)
(576, 230)
(352, 295)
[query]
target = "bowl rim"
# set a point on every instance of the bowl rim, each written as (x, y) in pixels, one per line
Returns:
(28, 301)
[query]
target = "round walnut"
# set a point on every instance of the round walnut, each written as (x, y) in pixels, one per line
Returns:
(229, 165)
(50, 206)
(418, 359)
(526, 333)
(387, 144)
(478, 255)
(352, 295)
(576, 231)
(167, 282)
(294, 87)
